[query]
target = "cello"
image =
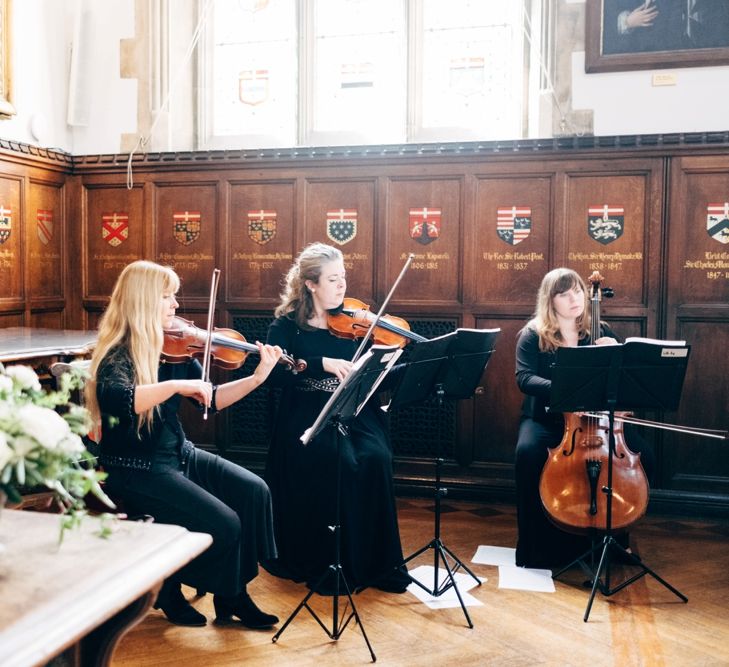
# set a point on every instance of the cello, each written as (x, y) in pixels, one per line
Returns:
(575, 475)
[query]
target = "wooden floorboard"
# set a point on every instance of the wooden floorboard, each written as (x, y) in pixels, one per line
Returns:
(644, 624)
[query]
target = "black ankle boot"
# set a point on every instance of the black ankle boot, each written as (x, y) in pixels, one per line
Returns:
(242, 607)
(176, 608)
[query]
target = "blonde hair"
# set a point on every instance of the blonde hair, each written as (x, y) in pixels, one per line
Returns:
(545, 321)
(132, 319)
(296, 297)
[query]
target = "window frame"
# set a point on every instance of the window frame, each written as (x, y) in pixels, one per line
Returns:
(306, 135)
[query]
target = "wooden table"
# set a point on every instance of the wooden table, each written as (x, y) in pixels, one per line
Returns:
(85, 594)
(28, 344)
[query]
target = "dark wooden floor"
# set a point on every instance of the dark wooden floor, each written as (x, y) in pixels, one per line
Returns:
(644, 624)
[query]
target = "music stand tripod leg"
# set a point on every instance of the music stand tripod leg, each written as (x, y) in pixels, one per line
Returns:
(609, 541)
(340, 581)
(440, 552)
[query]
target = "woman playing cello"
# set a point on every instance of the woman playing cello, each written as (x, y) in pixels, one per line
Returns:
(302, 478)
(561, 319)
(155, 470)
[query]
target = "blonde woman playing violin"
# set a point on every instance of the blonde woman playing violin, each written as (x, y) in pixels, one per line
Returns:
(155, 470)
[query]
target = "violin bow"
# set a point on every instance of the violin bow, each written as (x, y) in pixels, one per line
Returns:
(380, 312)
(209, 331)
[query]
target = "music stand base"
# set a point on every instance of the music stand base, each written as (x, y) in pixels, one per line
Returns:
(339, 622)
(440, 553)
(609, 543)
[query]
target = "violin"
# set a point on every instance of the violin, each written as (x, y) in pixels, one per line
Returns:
(577, 468)
(353, 319)
(228, 349)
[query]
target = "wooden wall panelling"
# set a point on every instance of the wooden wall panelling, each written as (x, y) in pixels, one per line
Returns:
(508, 248)
(609, 224)
(260, 225)
(424, 218)
(45, 224)
(75, 259)
(698, 312)
(676, 287)
(12, 245)
(115, 227)
(186, 226)
(341, 212)
(498, 408)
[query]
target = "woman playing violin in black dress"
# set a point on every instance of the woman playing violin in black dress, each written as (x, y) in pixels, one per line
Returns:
(155, 470)
(561, 319)
(303, 478)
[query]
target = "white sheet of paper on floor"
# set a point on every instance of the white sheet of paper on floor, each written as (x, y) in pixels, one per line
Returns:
(526, 579)
(488, 555)
(464, 581)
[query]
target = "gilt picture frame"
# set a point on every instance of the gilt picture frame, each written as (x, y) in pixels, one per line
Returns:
(7, 108)
(625, 35)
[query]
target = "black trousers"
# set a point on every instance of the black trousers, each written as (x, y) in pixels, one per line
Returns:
(540, 543)
(206, 494)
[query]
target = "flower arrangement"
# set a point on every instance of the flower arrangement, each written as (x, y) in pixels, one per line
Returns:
(41, 441)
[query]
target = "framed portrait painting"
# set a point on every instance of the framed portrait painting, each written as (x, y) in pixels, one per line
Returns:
(622, 35)
(6, 105)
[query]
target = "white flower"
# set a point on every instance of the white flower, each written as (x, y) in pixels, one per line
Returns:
(24, 376)
(44, 425)
(5, 452)
(38, 446)
(6, 384)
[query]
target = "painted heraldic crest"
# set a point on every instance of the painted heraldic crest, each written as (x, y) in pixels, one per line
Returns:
(261, 226)
(5, 224)
(514, 223)
(717, 222)
(342, 225)
(186, 226)
(44, 226)
(425, 224)
(115, 228)
(605, 223)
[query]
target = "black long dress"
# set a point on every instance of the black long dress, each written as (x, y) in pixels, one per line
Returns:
(302, 478)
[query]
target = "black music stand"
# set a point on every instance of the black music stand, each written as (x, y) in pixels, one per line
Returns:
(449, 366)
(639, 374)
(343, 406)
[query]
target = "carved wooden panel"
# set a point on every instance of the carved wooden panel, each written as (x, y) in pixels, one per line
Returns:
(115, 234)
(507, 251)
(45, 224)
(693, 463)
(11, 239)
(424, 218)
(186, 233)
(607, 224)
(261, 229)
(497, 409)
(341, 213)
(11, 320)
(47, 320)
(605, 229)
(699, 232)
(697, 302)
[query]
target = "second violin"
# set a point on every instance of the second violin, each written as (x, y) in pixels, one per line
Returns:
(354, 318)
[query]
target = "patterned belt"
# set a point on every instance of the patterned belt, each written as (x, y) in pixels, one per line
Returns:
(325, 384)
